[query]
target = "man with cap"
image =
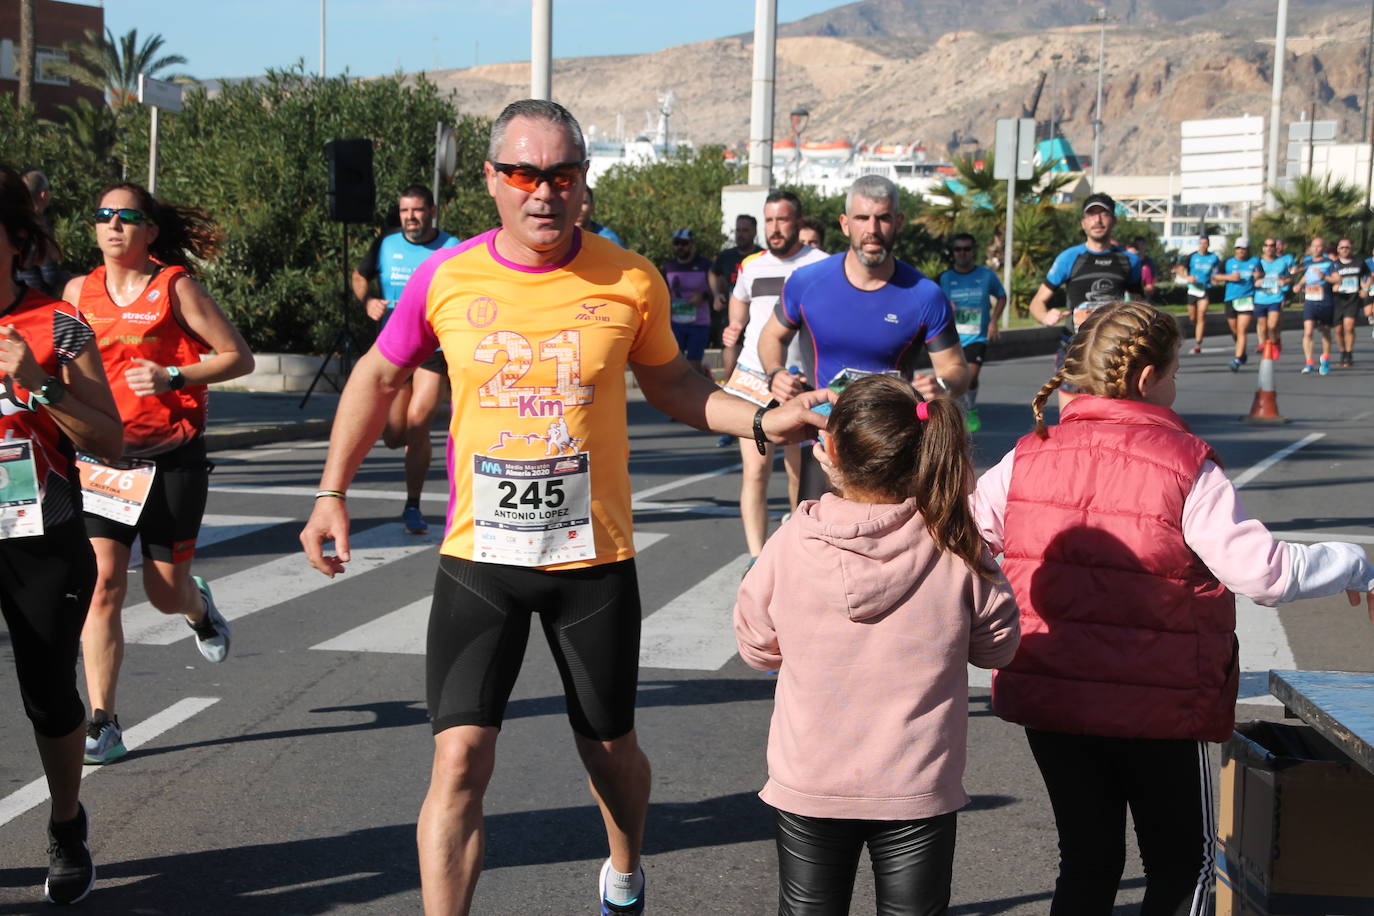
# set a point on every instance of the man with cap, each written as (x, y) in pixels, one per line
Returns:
(1092, 273)
(1240, 273)
(688, 275)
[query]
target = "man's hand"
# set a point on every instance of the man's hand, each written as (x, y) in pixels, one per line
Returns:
(1053, 317)
(929, 386)
(328, 522)
(730, 334)
(1354, 598)
(795, 421)
(994, 332)
(786, 385)
(376, 308)
(147, 378)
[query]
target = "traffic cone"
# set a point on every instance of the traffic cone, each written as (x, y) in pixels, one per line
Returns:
(1265, 407)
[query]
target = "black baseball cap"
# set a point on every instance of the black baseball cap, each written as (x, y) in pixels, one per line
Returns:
(1099, 200)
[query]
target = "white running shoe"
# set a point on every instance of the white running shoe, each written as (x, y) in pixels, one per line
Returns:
(212, 633)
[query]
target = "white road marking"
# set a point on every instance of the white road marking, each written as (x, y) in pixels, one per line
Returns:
(215, 529)
(309, 492)
(1263, 645)
(403, 631)
(682, 482)
(1249, 475)
(1324, 536)
(276, 582)
(36, 792)
(694, 631)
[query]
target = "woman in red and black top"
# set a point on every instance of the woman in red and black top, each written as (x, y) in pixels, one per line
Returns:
(53, 397)
(153, 324)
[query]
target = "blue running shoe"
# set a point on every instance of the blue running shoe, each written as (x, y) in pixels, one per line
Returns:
(414, 521)
(633, 908)
(1324, 366)
(104, 739)
(212, 633)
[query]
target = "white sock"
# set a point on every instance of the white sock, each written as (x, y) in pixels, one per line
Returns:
(621, 889)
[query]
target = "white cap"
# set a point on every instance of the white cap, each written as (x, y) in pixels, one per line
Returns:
(1243, 242)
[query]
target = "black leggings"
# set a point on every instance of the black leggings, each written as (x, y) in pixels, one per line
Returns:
(1167, 784)
(45, 589)
(913, 863)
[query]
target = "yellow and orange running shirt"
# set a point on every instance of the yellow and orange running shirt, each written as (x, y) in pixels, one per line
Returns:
(538, 450)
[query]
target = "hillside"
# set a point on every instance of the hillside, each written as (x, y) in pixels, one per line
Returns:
(947, 89)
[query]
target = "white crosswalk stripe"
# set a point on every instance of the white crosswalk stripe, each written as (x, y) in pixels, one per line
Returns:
(695, 631)
(215, 529)
(275, 582)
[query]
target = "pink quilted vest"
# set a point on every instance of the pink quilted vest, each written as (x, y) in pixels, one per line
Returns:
(1124, 631)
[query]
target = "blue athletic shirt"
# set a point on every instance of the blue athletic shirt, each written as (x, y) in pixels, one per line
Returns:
(971, 295)
(843, 327)
(1092, 278)
(394, 258)
(1246, 286)
(1314, 274)
(1275, 281)
(1202, 266)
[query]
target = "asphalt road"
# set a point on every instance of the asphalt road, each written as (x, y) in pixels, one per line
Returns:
(287, 780)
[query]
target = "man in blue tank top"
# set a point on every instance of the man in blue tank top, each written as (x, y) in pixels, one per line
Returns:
(391, 260)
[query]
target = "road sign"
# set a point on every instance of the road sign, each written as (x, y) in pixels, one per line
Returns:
(1222, 160)
(159, 93)
(1015, 143)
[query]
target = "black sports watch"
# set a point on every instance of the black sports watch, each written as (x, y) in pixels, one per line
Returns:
(760, 439)
(175, 380)
(51, 393)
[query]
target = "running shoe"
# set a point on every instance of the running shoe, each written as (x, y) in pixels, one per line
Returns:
(1308, 369)
(634, 908)
(725, 441)
(1347, 359)
(1197, 348)
(212, 633)
(104, 739)
(1235, 363)
(1324, 366)
(414, 520)
(972, 422)
(71, 873)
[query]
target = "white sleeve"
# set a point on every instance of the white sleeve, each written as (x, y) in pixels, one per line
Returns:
(1317, 570)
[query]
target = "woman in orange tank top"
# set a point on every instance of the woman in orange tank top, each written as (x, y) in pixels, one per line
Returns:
(153, 323)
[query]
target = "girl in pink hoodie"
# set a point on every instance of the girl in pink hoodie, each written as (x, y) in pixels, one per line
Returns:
(871, 602)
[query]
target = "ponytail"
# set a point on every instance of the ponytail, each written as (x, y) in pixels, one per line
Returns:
(884, 447)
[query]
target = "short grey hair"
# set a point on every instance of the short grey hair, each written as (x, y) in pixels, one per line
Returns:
(873, 187)
(535, 110)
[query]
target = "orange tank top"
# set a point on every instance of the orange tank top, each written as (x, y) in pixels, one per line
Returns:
(147, 328)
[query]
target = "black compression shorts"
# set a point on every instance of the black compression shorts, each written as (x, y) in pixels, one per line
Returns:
(170, 522)
(976, 352)
(479, 624)
(45, 589)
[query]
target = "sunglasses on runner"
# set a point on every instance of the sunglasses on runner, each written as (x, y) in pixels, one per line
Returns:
(125, 214)
(958, 248)
(528, 178)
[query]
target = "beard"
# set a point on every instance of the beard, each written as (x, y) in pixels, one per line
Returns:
(781, 247)
(868, 259)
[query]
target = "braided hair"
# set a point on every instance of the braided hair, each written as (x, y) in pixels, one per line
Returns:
(884, 449)
(1106, 356)
(182, 232)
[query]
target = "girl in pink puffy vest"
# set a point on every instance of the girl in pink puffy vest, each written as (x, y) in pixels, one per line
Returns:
(1125, 543)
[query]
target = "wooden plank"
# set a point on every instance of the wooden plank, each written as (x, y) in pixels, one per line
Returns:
(1338, 704)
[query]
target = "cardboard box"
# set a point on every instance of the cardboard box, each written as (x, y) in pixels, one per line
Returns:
(1296, 831)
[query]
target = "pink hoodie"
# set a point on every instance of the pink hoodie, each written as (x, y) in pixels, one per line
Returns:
(872, 627)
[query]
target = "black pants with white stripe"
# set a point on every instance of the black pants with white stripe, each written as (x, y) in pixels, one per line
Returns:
(1167, 784)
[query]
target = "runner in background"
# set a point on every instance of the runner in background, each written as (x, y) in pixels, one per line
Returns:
(162, 339)
(1199, 268)
(391, 260)
(1318, 276)
(724, 274)
(978, 299)
(1294, 289)
(1240, 274)
(687, 275)
(1270, 289)
(812, 233)
(55, 400)
(1347, 299)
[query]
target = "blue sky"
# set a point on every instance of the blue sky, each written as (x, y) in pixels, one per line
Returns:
(370, 37)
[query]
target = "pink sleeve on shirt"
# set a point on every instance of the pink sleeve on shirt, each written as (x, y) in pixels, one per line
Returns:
(1238, 549)
(408, 339)
(989, 502)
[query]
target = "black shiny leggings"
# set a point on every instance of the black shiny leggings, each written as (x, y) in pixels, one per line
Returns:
(913, 863)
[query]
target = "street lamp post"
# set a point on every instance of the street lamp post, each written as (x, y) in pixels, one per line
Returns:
(798, 117)
(1055, 58)
(1101, 20)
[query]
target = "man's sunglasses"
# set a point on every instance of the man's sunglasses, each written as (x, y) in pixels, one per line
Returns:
(958, 248)
(125, 214)
(528, 178)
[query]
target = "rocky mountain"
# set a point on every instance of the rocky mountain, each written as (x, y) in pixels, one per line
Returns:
(901, 71)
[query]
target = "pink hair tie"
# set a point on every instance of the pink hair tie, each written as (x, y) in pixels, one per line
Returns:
(923, 410)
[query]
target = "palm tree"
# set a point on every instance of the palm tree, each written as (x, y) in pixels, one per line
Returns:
(113, 65)
(93, 132)
(1325, 206)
